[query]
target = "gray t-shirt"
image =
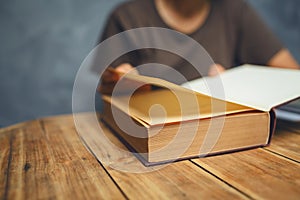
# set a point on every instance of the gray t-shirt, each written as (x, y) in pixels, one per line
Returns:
(233, 34)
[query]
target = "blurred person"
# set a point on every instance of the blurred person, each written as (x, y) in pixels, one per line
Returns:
(230, 31)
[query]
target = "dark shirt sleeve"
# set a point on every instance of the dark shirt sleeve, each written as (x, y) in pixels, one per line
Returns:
(112, 27)
(256, 43)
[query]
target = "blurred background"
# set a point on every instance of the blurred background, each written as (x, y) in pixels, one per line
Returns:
(44, 42)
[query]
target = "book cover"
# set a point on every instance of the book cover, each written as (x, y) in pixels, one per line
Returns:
(177, 122)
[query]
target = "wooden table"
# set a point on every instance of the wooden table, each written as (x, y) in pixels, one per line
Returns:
(45, 159)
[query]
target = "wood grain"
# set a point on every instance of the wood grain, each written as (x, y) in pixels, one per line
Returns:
(48, 161)
(286, 144)
(45, 159)
(4, 161)
(258, 173)
(286, 141)
(181, 180)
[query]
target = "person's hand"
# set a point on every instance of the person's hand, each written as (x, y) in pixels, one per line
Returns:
(216, 69)
(110, 78)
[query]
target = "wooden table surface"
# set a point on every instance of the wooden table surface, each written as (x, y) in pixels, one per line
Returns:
(45, 159)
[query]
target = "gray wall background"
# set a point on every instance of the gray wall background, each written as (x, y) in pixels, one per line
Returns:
(43, 43)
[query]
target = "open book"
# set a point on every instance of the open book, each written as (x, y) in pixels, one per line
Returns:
(206, 116)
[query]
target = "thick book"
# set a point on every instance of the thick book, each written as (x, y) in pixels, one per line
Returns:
(173, 122)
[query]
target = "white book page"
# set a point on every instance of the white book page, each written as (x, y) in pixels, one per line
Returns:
(258, 87)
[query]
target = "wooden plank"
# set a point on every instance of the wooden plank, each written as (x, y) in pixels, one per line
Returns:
(181, 180)
(59, 122)
(78, 168)
(12, 127)
(286, 143)
(104, 145)
(49, 161)
(258, 173)
(4, 162)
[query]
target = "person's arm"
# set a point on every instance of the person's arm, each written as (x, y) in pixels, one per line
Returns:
(113, 26)
(109, 78)
(215, 70)
(283, 59)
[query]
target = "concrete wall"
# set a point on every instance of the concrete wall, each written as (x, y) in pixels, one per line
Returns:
(44, 42)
